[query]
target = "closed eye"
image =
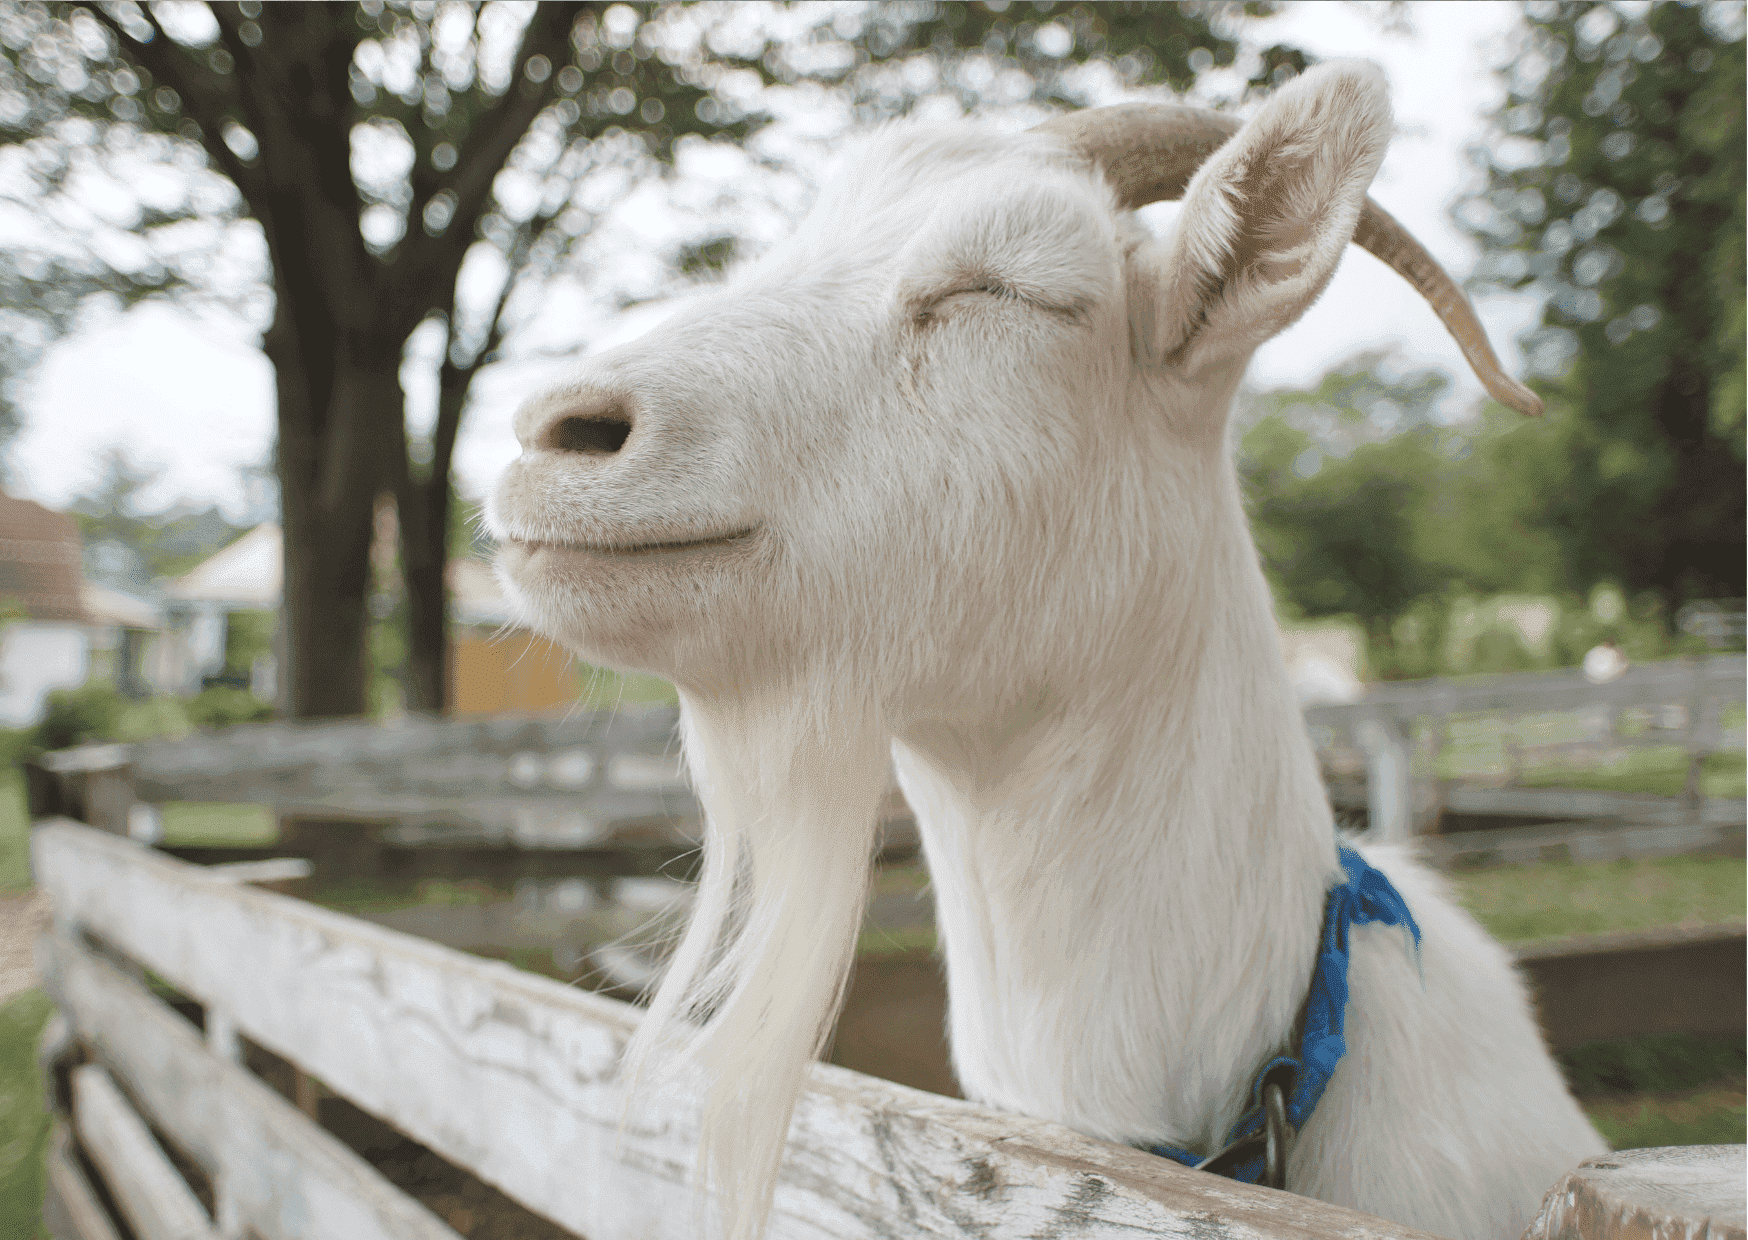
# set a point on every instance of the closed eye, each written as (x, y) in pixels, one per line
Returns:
(929, 310)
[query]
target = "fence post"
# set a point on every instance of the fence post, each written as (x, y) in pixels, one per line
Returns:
(92, 783)
(1683, 1190)
(1439, 788)
(1696, 739)
(1389, 804)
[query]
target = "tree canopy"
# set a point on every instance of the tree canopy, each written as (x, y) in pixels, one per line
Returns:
(1345, 482)
(1614, 189)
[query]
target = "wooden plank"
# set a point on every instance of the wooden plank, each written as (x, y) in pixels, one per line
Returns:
(284, 1178)
(1623, 985)
(156, 1201)
(1675, 681)
(269, 870)
(1683, 1190)
(1592, 840)
(513, 1076)
(479, 746)
(70, 1208)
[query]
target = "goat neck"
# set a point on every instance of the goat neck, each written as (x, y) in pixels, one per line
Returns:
(1129, 865)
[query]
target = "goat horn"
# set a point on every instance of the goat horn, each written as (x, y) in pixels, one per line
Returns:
(1149, 152)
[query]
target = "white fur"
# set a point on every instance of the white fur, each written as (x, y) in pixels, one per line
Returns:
(980, 437)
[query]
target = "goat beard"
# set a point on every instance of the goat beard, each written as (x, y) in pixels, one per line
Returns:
(791, 790)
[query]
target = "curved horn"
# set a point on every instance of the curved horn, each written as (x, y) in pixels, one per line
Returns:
(1149, 152)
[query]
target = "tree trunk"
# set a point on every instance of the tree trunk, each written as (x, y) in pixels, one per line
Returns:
(333, 463)
(424, 556)
(425, 514)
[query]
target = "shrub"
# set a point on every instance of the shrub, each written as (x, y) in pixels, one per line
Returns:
(16, 744)
(222, 706)
(1498, 648)
(92, 712)
(149, 718)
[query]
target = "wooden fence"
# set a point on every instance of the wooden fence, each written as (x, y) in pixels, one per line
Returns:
(1400, 732)
(596, 779)
(509, 1076)
(506, 1074)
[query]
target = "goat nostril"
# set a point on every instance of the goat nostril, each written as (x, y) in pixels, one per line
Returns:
(603, 434)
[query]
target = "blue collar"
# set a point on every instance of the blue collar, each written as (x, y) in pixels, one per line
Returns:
(1366, 896)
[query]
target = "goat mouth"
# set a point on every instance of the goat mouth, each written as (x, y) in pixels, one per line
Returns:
(633, 549)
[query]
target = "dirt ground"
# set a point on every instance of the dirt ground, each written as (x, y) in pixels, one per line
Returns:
(22, 917)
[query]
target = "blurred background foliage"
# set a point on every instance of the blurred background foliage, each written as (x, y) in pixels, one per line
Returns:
(472, 155)
(1614, 191)
(483, 149)
(1612, 188)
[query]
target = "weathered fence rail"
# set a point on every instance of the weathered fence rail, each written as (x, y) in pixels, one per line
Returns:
(598, 779)
(514, 1077)
(537, 782)
(1402, 729)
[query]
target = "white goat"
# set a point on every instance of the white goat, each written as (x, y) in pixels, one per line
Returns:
(946, 479)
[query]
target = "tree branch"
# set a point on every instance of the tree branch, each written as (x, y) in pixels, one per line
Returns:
(431, 263)
(209, 92)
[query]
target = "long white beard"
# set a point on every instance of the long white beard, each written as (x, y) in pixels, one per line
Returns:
(791, 792)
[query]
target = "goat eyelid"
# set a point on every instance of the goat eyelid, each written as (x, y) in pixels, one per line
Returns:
(925, 310)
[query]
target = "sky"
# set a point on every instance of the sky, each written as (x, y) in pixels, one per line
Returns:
(195, 397)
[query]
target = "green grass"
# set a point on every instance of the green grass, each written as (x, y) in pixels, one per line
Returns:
(1666, 1089)
(1478, 747)
(187, 824)
(1655, 1063)
(366, 896)
(1514, 903)
(898, 942)
(1556, 899)
(216, 824)
(23, 1123)
(14, 833)
(1710, 1115)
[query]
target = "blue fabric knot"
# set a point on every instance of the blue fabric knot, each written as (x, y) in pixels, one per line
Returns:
(1366, 896)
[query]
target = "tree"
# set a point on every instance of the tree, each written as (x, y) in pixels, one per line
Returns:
(1345, 484)
(373, 145)
(1615, 190)
(129, 547)
(380, 147)
(890, 56)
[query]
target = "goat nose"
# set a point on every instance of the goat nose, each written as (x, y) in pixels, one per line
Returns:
(596, 428)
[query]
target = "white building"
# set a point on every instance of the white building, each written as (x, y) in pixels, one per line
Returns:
(56, 628)
(248, 575)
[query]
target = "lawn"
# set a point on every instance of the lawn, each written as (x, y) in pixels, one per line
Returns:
(1670, 1089)
(14, 834)
(1557, 898)
(1478, 746)
(23, 1125)
(204, 824)
(1514, 903)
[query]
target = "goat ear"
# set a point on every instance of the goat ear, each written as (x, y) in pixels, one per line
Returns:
(1265, 220)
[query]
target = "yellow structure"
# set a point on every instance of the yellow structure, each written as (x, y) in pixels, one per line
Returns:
(493, 670)
(495, 667)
